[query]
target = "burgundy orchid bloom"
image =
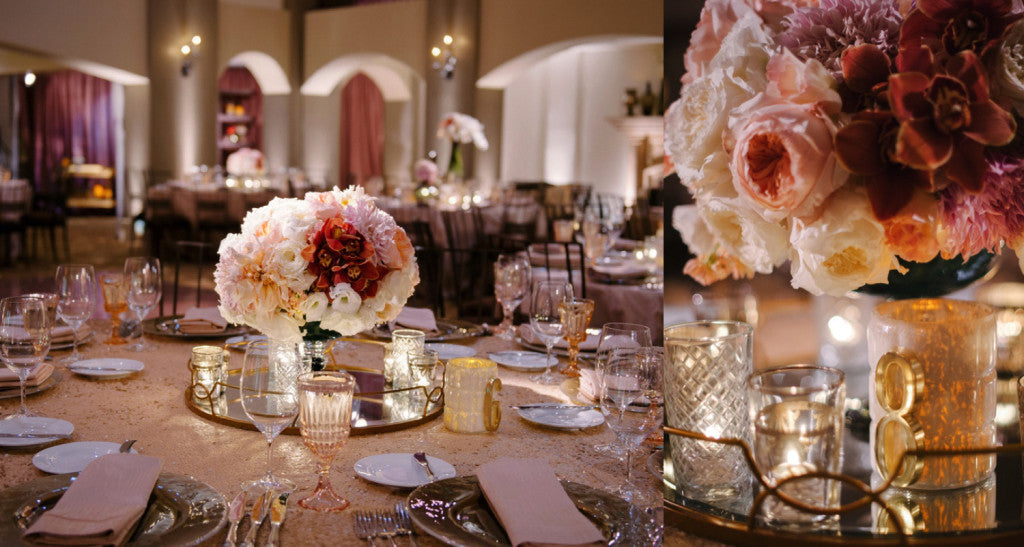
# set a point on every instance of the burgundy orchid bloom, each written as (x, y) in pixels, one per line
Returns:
(947, 120)
(864, 147)
(951, 26)
(363, 277)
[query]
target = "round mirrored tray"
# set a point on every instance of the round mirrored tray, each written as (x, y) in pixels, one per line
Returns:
(375, 408)
(988, 513)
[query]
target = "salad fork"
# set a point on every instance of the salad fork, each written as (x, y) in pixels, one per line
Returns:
(364, 527)
(405, 523)
(386, 526)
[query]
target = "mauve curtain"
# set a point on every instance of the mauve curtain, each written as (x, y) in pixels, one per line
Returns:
(70, 117)
(238, 79)
(362, 131)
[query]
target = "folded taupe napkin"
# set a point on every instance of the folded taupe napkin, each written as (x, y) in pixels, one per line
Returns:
(58, 334)
(626, 269)
(528, 336)
(417, 318)
(532, 506)
(39, 374)
(202, 321)
(102, 506)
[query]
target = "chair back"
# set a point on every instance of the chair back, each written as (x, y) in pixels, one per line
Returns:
(458, 283)
(464, 228)
(556, 259)
(194, 254)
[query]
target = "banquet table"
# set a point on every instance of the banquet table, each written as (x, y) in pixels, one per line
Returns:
(208, 203)
(150, 406)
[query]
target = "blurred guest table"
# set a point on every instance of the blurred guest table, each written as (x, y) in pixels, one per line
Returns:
(201, 204)
(150, 406)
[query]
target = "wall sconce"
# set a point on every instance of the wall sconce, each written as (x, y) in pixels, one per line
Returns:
(189, 53)
(444, 57)
(30, 78)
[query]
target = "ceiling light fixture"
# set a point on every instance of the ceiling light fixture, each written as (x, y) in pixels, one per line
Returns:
(30, 78)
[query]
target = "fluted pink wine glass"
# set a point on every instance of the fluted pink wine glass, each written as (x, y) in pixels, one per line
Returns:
(325, 421)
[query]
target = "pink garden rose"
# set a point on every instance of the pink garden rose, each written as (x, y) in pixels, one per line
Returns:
(716, 20)
(800, 82)
(783, 160)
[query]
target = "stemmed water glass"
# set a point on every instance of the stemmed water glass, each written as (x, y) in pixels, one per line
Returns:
(325, 420)
(622, 386)
(24, 339)
(511, 285)
(621, 337)
(77, 291)
(546, 320)
(143, 277)
(269, 396)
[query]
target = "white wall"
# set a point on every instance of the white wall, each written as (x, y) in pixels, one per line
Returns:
(555, 117)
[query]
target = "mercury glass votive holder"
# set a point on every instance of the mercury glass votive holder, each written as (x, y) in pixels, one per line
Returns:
(796, 421)
(937, 511)
(404, 342)
(209, 370)
(470, 395)
(1008, 301)
(706, 366)
(933, 368)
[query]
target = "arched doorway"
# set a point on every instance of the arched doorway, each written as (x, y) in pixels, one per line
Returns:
(239, 112)
(361, 139)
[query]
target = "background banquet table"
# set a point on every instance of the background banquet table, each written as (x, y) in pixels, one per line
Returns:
(150, 406)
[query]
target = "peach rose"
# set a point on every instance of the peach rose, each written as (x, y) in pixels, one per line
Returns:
(783, 159)
(799, 82)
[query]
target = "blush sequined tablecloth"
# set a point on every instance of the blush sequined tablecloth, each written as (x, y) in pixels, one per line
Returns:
(150, 407)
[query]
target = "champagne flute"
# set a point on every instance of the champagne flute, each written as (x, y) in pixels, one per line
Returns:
(144, 280)
(77, 291)
(511, 285)
(269, 397)
(24, 339)
(575, 314)
(546, 320)
(615, 337)
(325, 420)
(115, 302)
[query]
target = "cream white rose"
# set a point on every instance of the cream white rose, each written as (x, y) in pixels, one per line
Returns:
(314, 306)
(344, 299)
(758, 243)
(1008, 69)
(842, 249)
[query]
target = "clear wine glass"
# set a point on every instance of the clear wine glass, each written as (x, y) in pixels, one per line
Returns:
(652, 368)
(623, 385)
(76, 287)
(615, 336)
(144, 280)
(511, 285)
(269, 396)
(546, 320)
(325, 420)
(24, 339)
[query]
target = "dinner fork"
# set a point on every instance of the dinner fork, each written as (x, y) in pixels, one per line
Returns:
(405, 523)
(386, 526)
(364, 527)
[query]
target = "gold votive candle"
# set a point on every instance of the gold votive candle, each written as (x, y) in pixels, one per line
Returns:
(470, 387)
(208, 370)
(956, 511)
(933, 387)
(1008, 301)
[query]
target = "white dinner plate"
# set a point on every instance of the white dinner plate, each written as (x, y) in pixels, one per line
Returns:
(558, 416)
(37, 426)
(451, 351)
(72, 457)
(107, 367)
(529, 361)
(239, 342)
(401, 470)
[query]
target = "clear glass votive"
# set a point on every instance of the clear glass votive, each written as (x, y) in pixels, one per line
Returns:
(706, 366)
(796, 420)
(422, 367)
(404, 342)
(933, 365)
(208, 370)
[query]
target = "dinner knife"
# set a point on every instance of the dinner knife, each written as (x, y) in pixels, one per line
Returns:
(256, 516)
(278, 508)
(39, 435)
(554, 406)
(236, 510)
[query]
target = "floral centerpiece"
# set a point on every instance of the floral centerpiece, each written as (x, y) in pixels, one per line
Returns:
(329, 262)
(460, 129)
(246, 162)
(427, 175)
(850, 137)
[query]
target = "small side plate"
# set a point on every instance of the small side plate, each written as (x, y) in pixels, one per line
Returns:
(37, 426)
(106, 368)
(528, 361)
(450, 351)
(558, 416)
(72, 457)
(401, 470)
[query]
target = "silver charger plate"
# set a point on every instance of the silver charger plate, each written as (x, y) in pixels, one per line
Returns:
(447, 330)
(168, 326)
(14, 392)
(455, 512)
(181, 511)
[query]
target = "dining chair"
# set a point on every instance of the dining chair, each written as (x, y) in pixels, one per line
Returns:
(464, 228)
(458, 283)
(14, 198)
(199, 255)
(519, 216)
(551, 258)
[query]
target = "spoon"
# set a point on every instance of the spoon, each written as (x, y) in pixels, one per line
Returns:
(126, 446)
(422, 459)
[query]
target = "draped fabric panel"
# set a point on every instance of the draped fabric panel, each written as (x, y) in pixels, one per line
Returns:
(362, 131)
(238, 79)
(68, 117)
